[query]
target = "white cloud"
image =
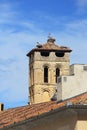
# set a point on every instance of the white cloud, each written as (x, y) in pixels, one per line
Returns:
(77, 27)
(14, 64)
(7, 14)
(81, 6)
(82, 3)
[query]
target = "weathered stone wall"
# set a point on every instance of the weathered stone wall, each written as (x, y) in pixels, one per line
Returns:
(40, 91)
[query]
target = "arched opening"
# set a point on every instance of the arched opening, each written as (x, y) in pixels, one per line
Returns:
(46, 74)
(45, 53)
(59, 54)
(57, 73)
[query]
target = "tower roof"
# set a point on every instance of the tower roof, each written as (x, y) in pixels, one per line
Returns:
(50, 46)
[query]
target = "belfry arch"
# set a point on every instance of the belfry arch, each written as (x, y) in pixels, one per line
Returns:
(57, 73)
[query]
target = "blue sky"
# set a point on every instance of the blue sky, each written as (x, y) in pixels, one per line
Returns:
(25, 22)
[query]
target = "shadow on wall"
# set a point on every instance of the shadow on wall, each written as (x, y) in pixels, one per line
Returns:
(54, 98)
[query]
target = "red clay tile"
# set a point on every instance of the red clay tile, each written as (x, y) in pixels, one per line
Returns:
(18, 114)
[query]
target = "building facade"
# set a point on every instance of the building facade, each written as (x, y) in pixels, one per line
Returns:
(73, 84)
(46, 63)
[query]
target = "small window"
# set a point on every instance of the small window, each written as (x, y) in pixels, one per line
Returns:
(57, 73)
(45, 53)
(85, 68)
(65, 79)
(46, 74)
(59, 79)
(59, 54)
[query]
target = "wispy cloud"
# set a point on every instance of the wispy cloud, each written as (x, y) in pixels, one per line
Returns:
(82, 6)
(6, 13)
(77, 27)
(82, 3)
(16, 38)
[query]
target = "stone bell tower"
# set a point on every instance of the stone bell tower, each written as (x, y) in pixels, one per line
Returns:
(46, 63)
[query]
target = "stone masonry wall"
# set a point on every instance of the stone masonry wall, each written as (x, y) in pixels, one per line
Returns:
(44, 91)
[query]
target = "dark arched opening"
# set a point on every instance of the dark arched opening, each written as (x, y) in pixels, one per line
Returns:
(46, 74)
(59, 54)
(57, 73)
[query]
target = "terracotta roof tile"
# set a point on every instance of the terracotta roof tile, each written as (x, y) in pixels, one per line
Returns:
(11, 116)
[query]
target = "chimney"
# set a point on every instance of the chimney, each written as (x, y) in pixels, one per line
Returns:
(1, 106)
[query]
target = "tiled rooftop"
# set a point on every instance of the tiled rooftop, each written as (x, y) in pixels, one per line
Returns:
(14, 115)
(50, 46)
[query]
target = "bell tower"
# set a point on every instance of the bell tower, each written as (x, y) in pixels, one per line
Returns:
(46, 62)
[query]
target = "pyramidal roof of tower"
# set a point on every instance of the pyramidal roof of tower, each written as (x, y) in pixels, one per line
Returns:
(50, 46)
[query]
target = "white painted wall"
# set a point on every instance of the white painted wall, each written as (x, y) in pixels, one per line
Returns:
(74, 84)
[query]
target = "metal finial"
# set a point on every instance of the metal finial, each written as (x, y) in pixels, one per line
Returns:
(49, 35)
(50, 38)
(38, 43)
